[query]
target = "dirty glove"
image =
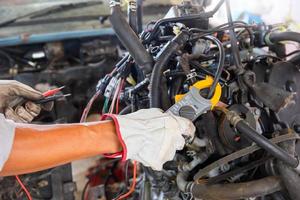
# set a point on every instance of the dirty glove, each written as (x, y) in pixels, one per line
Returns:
(152, 137)
(10, 90)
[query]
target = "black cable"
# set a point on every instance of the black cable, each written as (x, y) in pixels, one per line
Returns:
(219, 28)
(85, 189)
(220, 64)
(225, 26)
(233, 40)
(292, 53)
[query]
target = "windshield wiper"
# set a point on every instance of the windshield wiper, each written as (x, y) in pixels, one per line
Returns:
(51, 10)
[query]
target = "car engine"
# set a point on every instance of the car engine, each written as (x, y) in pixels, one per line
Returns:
(238, 86)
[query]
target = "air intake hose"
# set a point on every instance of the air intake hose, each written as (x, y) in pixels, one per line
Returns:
(275, 37)
(129, 38)
(161, 64)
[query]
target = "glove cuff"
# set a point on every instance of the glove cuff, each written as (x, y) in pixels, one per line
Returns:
(123, 153)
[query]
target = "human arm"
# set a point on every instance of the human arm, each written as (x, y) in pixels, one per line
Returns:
(38, 147)
(148, 136)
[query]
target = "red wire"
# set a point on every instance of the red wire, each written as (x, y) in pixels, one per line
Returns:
(118, 97)
(24, 188)
(131, 190)
(88, 107)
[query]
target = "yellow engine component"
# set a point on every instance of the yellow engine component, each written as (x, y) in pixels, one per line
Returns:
(206, 83)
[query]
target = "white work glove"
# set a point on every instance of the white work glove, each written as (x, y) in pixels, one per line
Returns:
(152, 137)
(10, 90)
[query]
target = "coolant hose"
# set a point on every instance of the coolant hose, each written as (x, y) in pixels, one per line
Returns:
(274, 37)
(264, 143)
(130, 40)
(234, 191)
(290, 178)
(161, 64)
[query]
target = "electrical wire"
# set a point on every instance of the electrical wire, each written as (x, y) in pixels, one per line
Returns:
(132, 188)
(88, 107)
(234, 48)
(105, 105)
(292, 53)
(85, 189)
(24, 188)
(222, 27)
(220, 64)
(112, 106)
(119, 94)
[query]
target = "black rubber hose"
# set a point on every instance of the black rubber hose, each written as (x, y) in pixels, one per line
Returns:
(233, 40)
(132, 15)
(130, 40)
(161, 64)
(274, 37)
(290, 178)
(139, 13)
(233, 191)
(264, 143)
(220, 65)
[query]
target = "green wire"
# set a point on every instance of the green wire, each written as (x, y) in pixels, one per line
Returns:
(104, 110)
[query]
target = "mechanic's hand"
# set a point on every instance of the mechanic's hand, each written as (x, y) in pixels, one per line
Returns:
(151, 136)
(11, 90)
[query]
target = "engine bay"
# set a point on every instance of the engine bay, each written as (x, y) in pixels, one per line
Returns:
(235, 81)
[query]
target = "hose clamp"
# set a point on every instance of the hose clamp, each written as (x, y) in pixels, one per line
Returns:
(267, 39)
(233, 118)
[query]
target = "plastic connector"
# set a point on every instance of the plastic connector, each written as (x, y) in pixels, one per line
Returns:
(102, 84)
(111, 87)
